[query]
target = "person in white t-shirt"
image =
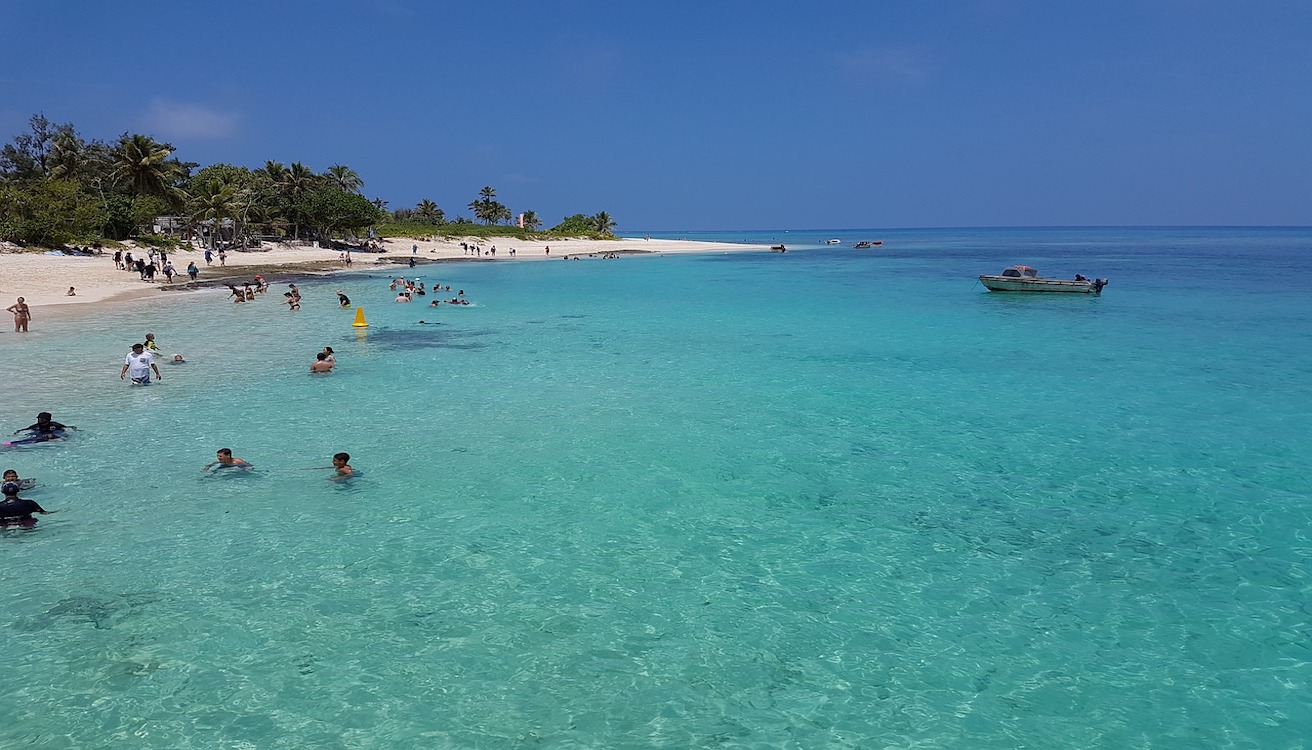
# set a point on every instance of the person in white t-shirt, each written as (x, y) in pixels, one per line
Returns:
(139, 364)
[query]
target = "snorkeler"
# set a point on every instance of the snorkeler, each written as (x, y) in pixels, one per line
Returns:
(225, 460)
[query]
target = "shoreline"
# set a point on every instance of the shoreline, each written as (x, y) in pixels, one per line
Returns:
(43, 280)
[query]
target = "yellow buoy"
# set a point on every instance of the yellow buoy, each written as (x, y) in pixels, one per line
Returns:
(359, 318)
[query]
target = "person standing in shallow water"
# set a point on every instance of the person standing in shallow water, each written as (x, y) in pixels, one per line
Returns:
(22, 315)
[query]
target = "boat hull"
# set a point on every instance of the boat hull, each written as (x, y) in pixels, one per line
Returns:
(1013, 284)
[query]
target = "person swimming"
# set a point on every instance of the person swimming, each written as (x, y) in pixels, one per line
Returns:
(43, 430)
(225, 460)
(342, 299)
(23, 484)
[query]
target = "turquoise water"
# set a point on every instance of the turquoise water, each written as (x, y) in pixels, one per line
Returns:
(829, 498)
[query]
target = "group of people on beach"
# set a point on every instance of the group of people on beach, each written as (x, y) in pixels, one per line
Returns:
(154, 262)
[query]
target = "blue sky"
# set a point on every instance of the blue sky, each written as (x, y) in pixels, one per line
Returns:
(713, 115)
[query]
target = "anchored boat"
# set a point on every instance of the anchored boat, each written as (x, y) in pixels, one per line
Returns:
(1027, 279)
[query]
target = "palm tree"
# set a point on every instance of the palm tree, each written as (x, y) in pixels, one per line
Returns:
(345, 178)
(604, 223)
(380, 204)
(531, 220)
(143, 163)
(214, 201)
(68, 158)
(275, 171)
(487, 209)
(428, 211)
(299, 181)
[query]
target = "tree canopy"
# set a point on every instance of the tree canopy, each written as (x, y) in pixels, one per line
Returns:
(57, 187)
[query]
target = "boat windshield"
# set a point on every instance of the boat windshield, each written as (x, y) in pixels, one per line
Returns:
(1017, 272)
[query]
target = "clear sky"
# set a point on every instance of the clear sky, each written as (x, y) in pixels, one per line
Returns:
(712, 114)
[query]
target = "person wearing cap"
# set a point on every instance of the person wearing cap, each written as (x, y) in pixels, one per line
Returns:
(139, 363)
(47, 426)
(15, 510)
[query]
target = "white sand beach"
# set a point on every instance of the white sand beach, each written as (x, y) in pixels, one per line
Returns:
(43, 280)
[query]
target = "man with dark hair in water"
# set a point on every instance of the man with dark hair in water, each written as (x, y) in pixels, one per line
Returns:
(341, 462)
(225, 460)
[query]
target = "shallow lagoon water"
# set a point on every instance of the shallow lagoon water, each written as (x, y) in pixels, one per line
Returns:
(828, 498)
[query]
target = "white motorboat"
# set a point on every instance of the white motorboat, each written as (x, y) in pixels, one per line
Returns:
(1027, 279)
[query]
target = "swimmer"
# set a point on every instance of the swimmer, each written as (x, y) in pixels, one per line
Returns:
(17, 511)
(434, 303)
(342, 299)
(177, 360)
(226, 461)
(150, 344)
(321, 364)
(329, 351)
(45, 426)
(293, 302)
(23, 484)
(402, 297)
(341, 462)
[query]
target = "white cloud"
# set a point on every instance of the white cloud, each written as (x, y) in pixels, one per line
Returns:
(181, 120)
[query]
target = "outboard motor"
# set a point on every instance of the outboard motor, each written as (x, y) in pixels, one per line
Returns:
(1098, 284)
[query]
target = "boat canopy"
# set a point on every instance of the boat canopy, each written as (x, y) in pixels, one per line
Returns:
(1021, 272)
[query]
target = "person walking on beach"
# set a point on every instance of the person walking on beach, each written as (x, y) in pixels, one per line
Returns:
(192, 270)
(22, 314)
(223, 258)
(209, 258)
(141, 364)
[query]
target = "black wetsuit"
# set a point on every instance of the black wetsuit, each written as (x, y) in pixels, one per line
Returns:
(44, 429)
(343, 300)
(18, 509)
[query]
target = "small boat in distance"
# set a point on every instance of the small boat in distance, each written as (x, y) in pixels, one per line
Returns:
(834, 241)
(1026, 279)
(870, 243)
(778, 249)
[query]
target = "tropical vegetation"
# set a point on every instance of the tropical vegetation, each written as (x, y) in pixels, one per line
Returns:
(57, 188)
